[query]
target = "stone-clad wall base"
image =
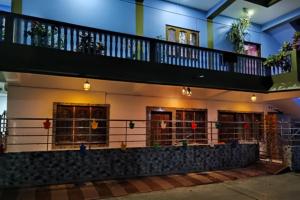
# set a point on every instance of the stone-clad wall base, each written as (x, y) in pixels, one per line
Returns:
(42, 168)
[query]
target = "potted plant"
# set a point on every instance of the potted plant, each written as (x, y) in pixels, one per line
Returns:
(296, 40)
(238, 32)
(86, 45)
(39, 34)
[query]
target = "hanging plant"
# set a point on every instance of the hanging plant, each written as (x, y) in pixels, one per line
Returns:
(94, 125)
(184, 143)
(194, 125)
(296, 40)
(282, 59)
(218, 125)
(156, 145)
(163, 125)
(131, 125)
(47, 124)
(238, 32)
(123, 146)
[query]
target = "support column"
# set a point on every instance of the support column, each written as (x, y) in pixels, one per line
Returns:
(139, 12)
(16, 6)
(210, 34)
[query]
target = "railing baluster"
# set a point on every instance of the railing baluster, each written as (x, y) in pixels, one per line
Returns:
(116, 45)
(95, 48)
(111, 45)
(1, 28)
(77, 40)
(72, 39)
(59, 38)
(25, 33)
(65, 39)
(126, 47)
(106, 45)
(122, 47)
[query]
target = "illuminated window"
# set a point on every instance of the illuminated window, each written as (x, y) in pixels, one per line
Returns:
(181, 35)
(73, 124)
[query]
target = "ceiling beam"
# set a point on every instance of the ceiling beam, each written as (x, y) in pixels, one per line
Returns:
(218, 8)
(281, 20)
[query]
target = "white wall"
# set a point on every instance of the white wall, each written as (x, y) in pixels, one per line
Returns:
(38, 103)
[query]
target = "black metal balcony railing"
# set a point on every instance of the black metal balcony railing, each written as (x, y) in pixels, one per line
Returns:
(32, 31)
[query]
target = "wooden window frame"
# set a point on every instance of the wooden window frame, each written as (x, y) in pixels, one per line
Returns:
(56, 145)
(149, 109)
(243, 112)
(188, 31)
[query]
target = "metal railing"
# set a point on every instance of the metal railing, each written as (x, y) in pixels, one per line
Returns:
(42, 134)
(37, 32)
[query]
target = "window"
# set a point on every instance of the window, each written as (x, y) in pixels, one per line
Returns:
(240, 126)
(252, 49)
(172, 126)
(183, 36)
(184, 128)
(73, 124)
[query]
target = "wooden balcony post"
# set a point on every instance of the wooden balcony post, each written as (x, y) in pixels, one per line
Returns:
(153, 51)
(9, 29)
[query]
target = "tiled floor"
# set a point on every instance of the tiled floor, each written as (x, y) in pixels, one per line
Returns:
(115, 188)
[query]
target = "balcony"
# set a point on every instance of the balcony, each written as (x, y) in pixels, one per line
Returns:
(35, 45)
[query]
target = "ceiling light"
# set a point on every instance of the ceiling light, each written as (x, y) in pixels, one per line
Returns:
(253, 98)
(86, 85)
(248, 12)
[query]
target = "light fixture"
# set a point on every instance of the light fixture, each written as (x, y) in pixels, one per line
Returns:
(183, 91)
(248, 12)
(189, 92)
(253, 98)
(86, 85)
(186, 91)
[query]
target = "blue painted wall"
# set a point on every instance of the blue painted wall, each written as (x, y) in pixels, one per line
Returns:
(5, 8)
(222, 25)
(158, 14)
(114, 15)
(282, 33)
(119, 15)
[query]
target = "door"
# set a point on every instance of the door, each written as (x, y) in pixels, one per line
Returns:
(273, 150)
(161, 128)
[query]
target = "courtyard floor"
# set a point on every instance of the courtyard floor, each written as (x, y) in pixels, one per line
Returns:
(254, 182)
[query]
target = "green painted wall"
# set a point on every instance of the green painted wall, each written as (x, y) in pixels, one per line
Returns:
(288, 81)
(210, 34)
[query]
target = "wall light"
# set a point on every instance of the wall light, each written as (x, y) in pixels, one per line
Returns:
(253, 98)
(186, 91)
(86, 85)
